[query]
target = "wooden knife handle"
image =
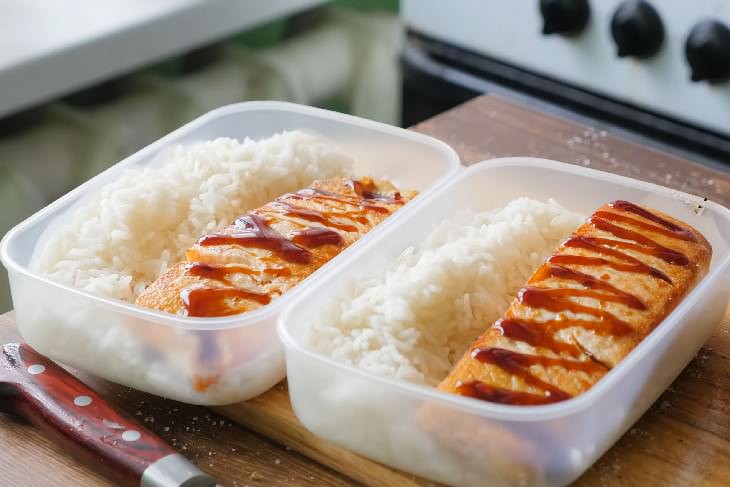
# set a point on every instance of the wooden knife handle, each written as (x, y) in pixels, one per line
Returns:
(52, 399)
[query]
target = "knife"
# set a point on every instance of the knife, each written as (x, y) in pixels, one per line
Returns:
(112, 442)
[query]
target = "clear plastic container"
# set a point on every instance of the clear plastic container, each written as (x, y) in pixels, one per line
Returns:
(462, 441)
(151, 350)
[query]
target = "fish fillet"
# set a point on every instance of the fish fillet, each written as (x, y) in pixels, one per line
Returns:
(267, 252)
(602, 291)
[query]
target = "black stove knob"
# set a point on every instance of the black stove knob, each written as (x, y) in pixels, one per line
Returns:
(566, 17)
(637, 29)
(708, 51)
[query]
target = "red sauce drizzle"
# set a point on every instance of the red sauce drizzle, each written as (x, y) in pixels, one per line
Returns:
(618, 217)
(645, 245)
(367, 192)
(592, 283)
(555, 300)
(253, 231)
(561, 300)
(599, 245)
(636, 267)
(539, 334)
(536, 334)
(485, 392)
(316, 237)
(207, 301)
(363, 200)
(320, 194)
(678, 231)
(223, 272)
(519, 364)
(214, 301)
(285, 208)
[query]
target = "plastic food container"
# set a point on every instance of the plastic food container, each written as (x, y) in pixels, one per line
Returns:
(462, 441)
(150, 350)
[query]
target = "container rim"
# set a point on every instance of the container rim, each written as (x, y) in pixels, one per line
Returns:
(522, 413)
(451, 162)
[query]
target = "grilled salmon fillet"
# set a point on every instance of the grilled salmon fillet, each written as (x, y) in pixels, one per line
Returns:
(602, 291)
(268, 251)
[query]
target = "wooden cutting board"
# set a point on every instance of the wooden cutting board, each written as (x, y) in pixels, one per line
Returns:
(684, 439)
(271, 415)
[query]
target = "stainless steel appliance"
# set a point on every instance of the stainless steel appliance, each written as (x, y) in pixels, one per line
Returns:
(658, 70)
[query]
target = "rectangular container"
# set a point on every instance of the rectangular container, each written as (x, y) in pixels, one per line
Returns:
(462, 441)
(116, 340)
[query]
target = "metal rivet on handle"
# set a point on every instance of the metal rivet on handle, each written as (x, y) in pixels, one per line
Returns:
(82, 400)
(36, 369)
(131, 435)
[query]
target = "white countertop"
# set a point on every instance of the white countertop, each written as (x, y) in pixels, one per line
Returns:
(49, 48)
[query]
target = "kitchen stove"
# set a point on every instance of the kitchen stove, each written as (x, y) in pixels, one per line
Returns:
(658, 67)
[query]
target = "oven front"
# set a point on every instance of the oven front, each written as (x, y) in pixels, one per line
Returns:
(657, 72)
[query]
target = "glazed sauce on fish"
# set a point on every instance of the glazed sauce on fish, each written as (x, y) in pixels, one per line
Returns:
(519, 364)
(223, 273)
(485, 392)
(206, 301)
(537, 336)
(316, 237)
(590, 282)
(628, 207)
(562, 301)
(364, 197)
(326, 218)
(366, 193)
(630, 264)
(254, 231)
(636, 242)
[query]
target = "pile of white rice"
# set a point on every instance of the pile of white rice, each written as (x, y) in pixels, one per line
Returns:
(416, 318)
(118, 241)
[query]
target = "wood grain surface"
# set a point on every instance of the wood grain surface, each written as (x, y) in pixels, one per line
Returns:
(490, 127)
(684, 439)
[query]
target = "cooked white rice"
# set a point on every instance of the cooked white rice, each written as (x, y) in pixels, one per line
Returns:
(415, 319)
(121, 239)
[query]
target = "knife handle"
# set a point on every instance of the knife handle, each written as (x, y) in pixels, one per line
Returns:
(112, 442)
